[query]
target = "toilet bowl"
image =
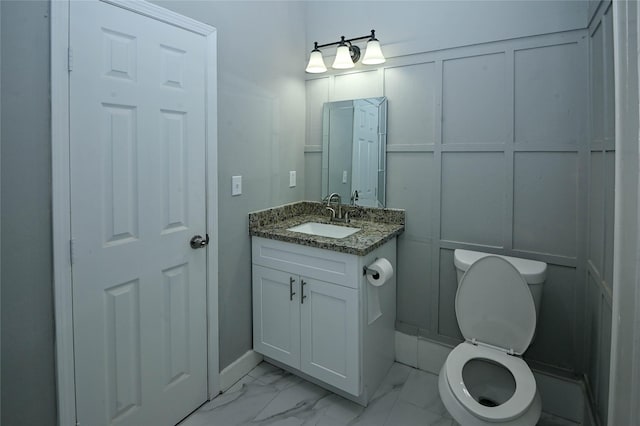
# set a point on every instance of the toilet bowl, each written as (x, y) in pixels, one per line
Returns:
(484, 380)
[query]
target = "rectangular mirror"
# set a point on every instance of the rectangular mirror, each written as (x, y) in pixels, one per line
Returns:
(354, 147)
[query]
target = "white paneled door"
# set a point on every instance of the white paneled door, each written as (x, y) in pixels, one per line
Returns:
(137, 124)
(365, 153)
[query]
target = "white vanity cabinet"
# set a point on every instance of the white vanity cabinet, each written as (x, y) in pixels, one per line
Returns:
(307, 324)
(310, 313)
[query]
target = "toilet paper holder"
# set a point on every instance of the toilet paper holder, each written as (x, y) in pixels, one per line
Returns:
(367, 271)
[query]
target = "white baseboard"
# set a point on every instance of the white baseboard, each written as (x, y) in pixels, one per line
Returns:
(238, 369)
(561, 397)
(432, 355)
(406, 349)
(589, 418)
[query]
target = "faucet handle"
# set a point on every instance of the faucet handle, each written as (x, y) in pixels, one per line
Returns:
(354, 197)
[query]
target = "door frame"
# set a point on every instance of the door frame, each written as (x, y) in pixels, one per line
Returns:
(61, 195)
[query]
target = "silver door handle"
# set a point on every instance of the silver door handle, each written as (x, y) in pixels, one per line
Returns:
(198, 242)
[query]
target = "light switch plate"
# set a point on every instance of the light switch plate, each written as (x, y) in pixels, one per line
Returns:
(344, 176)
(236, 185)
(292, 178)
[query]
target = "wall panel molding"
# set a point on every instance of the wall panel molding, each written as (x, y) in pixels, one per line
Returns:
(596, 337)
(472, 168)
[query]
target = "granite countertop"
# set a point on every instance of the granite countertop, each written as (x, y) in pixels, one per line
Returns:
(377, 226)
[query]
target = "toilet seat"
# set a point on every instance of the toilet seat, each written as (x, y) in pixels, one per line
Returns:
(522, 397)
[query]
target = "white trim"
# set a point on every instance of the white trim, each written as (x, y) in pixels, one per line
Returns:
(312, 148)
(164, 15)
(239, 368)
(624, 375)
(211, 106)
(0, 232)
(61, 197)
(422, 147)
(562, 397)
(432, 355)
(406, 349)
(588, 418)
(61, 213)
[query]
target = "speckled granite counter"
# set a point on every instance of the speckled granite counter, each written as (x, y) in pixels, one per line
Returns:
(377, 226)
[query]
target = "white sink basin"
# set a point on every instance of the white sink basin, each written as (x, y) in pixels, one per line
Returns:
(324, 230)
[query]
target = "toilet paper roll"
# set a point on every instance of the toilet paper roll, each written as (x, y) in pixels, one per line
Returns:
(383, 272)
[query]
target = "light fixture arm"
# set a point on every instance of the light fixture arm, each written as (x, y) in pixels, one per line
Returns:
(372, 36)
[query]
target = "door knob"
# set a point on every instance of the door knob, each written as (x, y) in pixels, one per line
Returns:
(198, 242)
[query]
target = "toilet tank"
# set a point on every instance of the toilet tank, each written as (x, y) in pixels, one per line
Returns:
(533, 271)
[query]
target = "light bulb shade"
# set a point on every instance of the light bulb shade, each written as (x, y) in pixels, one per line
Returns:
(343, 58)
(316, 63)
(373, 55)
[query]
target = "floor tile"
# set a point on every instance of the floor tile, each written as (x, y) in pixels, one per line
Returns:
(421, 390)
(383, 400)
(549, 420)
(262, 369)
(299, 399)
(270, 396)
(270, 375)
(406, 414)
(238, 385)
(235, 408)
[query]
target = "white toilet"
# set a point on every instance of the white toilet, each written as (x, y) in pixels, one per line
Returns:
(484, 380)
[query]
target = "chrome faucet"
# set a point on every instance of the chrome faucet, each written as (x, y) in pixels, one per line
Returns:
(330, 200)
(338, 217)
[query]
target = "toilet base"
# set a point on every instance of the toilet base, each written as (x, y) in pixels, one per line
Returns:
(461, 415)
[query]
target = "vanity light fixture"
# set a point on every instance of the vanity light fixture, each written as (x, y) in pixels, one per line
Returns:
(347, 54)
(316, 63)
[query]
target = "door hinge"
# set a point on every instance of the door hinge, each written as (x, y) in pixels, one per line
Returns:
(72, 250)
(70, 59)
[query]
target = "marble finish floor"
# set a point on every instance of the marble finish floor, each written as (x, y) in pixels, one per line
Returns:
(271, 396)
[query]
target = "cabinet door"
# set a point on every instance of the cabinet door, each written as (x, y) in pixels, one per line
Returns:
(276, 315)
(329, 334)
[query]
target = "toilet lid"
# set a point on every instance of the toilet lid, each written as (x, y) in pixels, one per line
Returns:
(494, 306)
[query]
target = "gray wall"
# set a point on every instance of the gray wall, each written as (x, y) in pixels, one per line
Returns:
(487, 150)
(599, 274)
(406, 27)
(261, 131)
(260, 135)
(28, 378)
